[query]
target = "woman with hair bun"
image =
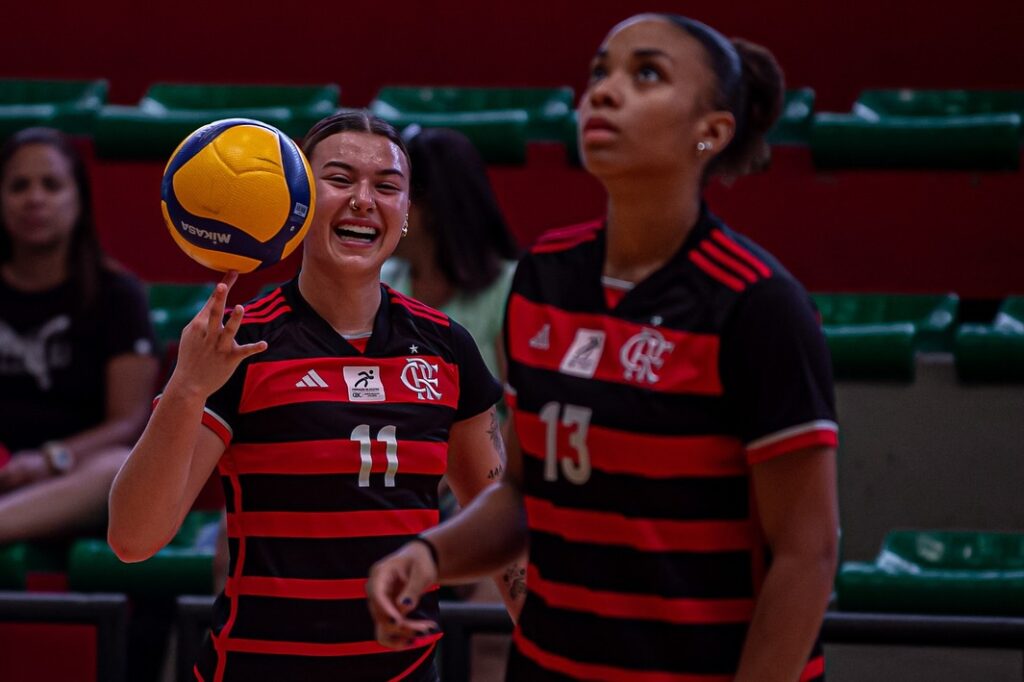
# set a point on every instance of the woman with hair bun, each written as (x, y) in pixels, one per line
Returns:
(672, 469)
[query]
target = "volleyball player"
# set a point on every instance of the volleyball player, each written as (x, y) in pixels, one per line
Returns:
(672, 401)
(331, 407)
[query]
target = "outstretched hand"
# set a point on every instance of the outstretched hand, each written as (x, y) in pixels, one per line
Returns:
(208, 354)
(393, 590)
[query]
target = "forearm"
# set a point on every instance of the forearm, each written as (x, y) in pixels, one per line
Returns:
(119, 431)
(512, 585)
(148, 495)
(484, 538)
(787, 618)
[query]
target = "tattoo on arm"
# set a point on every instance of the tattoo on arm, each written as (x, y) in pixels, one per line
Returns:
(495, 473)
(494, 431)
(515, 580)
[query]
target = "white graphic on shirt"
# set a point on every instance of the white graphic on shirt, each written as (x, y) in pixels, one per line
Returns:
(364, 384)
(33, 353)
(414, 349)
(641, 355)
(542, 339)
(584, 354)
(311, 380)
(420, 376)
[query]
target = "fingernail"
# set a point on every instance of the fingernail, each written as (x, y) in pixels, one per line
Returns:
(407, 601)
(434, 630)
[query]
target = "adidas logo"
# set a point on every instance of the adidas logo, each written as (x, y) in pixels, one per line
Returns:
(311, 380)
(542, 339)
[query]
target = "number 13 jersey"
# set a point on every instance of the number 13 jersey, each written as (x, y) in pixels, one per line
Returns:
(333, 461)
(639, 424)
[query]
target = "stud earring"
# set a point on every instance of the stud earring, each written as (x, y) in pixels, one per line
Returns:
(703, 146)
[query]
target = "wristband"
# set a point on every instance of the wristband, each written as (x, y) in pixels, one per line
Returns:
(430, 548)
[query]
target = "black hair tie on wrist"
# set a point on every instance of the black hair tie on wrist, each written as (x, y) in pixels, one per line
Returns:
(430, 548)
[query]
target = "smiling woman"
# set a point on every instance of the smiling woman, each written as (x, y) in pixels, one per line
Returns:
(331, 407)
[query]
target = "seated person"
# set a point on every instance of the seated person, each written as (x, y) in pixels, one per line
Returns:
(76, 346)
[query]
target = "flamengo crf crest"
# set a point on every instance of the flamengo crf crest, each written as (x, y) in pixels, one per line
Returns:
(420, 376)
(641, 356)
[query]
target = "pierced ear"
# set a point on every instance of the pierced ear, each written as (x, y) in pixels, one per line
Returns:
(716, 129)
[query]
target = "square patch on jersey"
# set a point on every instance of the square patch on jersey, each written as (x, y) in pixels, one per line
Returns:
(584, 354)
(364, 384)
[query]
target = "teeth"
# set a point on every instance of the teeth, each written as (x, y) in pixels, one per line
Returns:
(358, 229)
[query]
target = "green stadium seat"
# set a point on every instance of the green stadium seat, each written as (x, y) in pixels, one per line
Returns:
(185, 566)
(993, 352)
(20, 559)
(70, 105)
(876, 336)
(172, 306)
(168, 112)
(932, 129)
(499, 121)
(938, 572)
(794, 124)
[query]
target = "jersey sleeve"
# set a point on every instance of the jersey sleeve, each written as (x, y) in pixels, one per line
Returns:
(127, 327)
(478, 389)
(777, 373)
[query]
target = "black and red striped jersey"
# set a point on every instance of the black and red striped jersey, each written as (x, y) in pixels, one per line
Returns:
(639, 426)
(333, 461)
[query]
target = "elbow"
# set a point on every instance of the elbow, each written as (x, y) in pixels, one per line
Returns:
(127, 548)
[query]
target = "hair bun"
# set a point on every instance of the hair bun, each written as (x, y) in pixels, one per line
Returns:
(764, 88)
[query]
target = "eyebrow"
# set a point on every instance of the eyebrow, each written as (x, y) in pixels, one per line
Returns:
(642, 53)
(351, 169)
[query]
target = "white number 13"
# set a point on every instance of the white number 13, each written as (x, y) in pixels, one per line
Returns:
(578, 471)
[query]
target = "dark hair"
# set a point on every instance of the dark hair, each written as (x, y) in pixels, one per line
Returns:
(351, 120)
(85, 257)
(750, 85)
(459, 208)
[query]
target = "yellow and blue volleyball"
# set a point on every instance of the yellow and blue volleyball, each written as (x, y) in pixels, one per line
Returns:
(238, 194)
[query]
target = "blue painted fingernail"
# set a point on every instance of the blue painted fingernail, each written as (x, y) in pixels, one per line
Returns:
(407, 601)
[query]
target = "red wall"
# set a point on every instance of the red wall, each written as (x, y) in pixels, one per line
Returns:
(840, 231)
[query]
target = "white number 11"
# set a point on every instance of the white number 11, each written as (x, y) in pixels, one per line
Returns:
(577, 472)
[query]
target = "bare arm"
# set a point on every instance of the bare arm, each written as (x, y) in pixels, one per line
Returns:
(176, 454)
(481, 540)
(129, 382)
(796, 500)
(476, 461)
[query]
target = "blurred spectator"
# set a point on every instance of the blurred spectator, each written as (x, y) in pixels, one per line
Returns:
(76, 346)
(459, 256)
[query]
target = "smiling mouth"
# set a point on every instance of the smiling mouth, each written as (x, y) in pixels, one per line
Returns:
(359, 233)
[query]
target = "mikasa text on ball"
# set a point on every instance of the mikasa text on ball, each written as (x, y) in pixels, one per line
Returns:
(238, 194)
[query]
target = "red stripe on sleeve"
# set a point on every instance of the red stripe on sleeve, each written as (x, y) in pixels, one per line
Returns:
(255, 305)
(195, 672)
(731, 244)
(810, 439)
(331, 524)
(658, 359)
(716, 272)
(336, 457)
(727, 260)
(654, 535)
(211, 422)
(602, 673)
(814, 668)
(639, 606)
(622, 452)
(266, 318)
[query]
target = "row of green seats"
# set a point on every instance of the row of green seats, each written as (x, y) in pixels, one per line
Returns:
(941, 129)
(938, 572)
(877, 336)
(185, 566)
(500, 121)
(172, 306)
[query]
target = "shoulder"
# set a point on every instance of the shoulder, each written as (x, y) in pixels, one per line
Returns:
(264, 314)
(119, 282)
(733, 261)
(421, 313)
(565, 238)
